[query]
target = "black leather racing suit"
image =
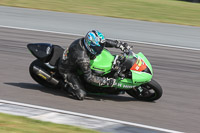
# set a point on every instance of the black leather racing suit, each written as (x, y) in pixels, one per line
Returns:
(78, 57)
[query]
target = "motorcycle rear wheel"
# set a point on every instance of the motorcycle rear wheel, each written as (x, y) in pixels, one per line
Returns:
(150, 91)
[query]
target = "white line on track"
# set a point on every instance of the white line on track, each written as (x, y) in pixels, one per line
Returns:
(89, 116)
(63, 33)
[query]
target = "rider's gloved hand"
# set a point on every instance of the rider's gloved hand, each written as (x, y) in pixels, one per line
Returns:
(124, 46)
(108, 81)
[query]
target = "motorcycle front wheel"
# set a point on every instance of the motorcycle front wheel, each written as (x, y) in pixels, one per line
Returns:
(150, 91)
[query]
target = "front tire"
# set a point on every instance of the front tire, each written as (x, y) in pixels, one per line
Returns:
(150, 91)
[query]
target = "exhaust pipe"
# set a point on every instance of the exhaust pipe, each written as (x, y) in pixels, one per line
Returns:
(44, 74)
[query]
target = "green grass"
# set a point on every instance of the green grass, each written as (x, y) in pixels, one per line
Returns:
(167, 11)
(18, 124)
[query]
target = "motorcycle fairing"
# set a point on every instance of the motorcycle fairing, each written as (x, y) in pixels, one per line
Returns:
(103, 64)
(141, 77)
(146, 61)
(42, 51)
(124, 84)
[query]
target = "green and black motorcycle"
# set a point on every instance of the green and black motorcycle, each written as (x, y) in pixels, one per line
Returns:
(133, 72)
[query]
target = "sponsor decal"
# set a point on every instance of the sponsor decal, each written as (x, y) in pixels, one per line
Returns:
(139, 65)
(128, 86)
(42, 76)
(124, 86)
(98, 68)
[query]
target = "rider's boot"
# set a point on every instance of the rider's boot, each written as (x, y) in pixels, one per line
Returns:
(79, 94)
(74, 86)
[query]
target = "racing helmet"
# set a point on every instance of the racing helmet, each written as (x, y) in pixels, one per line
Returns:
(94, 41)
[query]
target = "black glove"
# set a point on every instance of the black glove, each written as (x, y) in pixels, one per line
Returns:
(124, 46)
(109, 82)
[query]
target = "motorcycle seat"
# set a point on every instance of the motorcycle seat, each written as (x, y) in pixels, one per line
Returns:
(56, 55)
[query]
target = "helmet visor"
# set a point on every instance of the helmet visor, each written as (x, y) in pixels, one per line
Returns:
(97, 49)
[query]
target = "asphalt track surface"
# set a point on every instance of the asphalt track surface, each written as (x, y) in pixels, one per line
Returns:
(126, 29)
(177, 70)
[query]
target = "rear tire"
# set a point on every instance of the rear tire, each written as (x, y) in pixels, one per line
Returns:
(151, 91)
(37, 78)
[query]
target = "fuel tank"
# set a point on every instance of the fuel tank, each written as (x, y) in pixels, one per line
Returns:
(102, 64)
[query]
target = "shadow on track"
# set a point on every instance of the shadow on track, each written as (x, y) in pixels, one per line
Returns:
(59, 92)
(33, 86)
(108, 97)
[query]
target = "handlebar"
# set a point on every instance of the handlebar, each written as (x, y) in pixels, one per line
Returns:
(128, 53)
(118, 60)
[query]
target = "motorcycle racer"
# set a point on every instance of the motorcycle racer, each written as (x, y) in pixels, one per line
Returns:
(78, 56)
